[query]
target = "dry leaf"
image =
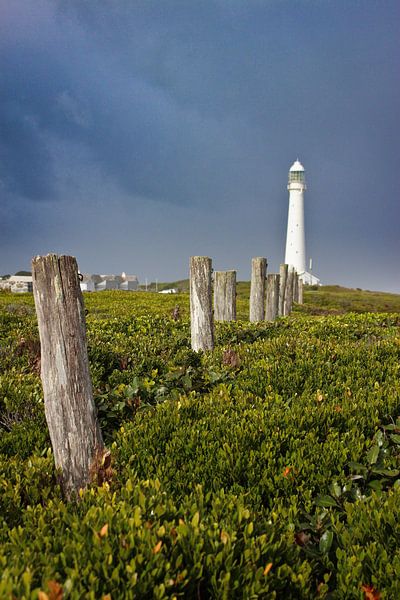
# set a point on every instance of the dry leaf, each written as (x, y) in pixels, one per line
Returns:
(43, 596)
(267, 569)
(104, 530)
(157, 547)
(286, 471)
(370, 593)
(55, 590)
(301, 538)
(231, 358)
(107, 597)
(224, 537)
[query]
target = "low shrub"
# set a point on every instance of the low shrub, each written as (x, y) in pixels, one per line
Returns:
(268, 468)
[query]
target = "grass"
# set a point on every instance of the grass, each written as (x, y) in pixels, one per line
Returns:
(322, 300)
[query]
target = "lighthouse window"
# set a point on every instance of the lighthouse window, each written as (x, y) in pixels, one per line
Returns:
(296, 176)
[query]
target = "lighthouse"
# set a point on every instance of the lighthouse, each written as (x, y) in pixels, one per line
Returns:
(295, 255)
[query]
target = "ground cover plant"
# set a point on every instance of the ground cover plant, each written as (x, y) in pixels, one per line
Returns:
(266, 469)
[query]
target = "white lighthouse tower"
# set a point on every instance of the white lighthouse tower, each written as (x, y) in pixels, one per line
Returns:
(295, 255)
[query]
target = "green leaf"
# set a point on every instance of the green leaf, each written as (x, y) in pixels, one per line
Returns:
(325, 501)
(379, 438)
(373, 454)
(376, 484)
(335, 490)
(357, 467)
(386, 472)
(325, 542)
(395, 437)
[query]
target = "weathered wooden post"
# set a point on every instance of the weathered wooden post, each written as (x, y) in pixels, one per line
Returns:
(283, 273)
(301, 291)
(225, 295)
(201, 316)
(296, 287)
(257, 289)
(272, 297)
(288, 304)
(68, 398)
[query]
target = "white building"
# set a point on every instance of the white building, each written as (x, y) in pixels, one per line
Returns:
(20, 284)
(295, 254)
(98, 283)
(88, 282)
(108, 282)
(129, 282)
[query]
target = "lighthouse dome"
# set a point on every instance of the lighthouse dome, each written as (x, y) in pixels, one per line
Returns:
(296, 166)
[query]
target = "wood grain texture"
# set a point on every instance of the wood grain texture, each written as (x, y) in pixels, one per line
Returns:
(257, 289)
(68, 398)
(301, 299)
(201, 315)
(296, 287)
(272, 308)
(225, 295)
(283, 273)
(288, 303)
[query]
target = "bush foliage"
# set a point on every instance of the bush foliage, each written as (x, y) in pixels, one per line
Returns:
(266, 469)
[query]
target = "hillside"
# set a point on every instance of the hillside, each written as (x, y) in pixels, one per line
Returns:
(328, 299)
(268, 468)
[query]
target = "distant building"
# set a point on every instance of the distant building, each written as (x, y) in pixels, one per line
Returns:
(99, 283)
(108, 282)
(169, 291)
(310, 279)
(88, 282)
(19, 284)
(129, 282)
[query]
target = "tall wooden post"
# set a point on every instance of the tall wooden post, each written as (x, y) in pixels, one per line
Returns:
(283, 272)
(272, 297)
(257, 289)
(68, 398)
(201, 316)
(225, 295)
(301, 291)
(289, 292)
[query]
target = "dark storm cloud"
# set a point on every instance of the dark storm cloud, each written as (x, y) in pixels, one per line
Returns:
(171, 98)
(135, 131)
(204, 105)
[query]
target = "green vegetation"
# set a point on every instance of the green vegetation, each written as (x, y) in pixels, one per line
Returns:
(318, 300)
(269, 468)
(335, 299)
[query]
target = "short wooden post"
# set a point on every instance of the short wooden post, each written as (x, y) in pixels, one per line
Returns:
(283, 272)
(289, 292)
(272, 297)
(201, 316)
(68, 398)
(225, 295)
(296, 287)
(301, 291)
(257, 289)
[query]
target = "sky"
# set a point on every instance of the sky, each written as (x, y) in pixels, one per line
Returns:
(137, 133)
